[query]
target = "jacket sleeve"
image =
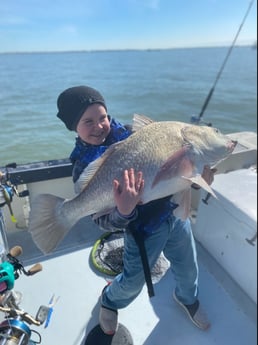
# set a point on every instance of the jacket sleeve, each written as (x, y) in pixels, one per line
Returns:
(114, 221)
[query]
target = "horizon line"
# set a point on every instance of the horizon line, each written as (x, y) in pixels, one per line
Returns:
(254, 45)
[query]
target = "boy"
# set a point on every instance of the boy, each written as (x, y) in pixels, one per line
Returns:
(83, 110)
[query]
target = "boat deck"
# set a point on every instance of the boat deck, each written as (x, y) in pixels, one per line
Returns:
(68, 273)
(226, 243)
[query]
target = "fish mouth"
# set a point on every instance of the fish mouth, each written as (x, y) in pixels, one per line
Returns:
(231, 145)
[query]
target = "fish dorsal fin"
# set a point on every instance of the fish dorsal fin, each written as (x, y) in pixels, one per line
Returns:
(92, 168)
(140, 121)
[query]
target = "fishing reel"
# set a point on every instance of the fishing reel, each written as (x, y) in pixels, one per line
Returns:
(6, 194)
(11, 268)
(196, 120)
(15, 329)
(8, 190)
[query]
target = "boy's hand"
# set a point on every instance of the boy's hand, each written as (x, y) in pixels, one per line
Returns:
(128, 193)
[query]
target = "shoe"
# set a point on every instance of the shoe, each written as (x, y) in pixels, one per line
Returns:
(108, 320)
(195, 313)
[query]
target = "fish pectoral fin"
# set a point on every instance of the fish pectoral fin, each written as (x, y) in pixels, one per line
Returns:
(202, 183)
(183, 200)
(177, 164)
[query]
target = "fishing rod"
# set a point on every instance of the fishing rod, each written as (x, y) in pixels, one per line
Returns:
(195, 119)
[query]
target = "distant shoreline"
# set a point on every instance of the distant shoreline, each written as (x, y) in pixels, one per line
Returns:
(254, 46)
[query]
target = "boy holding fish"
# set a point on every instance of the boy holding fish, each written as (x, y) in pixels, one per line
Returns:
(83, 110)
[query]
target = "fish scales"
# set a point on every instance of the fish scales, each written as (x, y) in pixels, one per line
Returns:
(144, 151)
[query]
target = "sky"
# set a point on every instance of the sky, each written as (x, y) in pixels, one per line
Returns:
(62, 25)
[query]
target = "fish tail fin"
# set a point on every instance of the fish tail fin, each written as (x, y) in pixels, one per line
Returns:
(46, 225)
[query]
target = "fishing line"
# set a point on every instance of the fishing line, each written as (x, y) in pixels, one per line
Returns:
(195, 119)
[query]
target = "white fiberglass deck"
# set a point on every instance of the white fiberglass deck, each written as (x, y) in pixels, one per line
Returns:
(151, 321)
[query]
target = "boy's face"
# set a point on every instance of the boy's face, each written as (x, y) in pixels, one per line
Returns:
(94, 126)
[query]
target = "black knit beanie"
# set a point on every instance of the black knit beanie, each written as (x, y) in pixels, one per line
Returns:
(73, 102)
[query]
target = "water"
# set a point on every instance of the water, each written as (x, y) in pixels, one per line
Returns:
(162, 84)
